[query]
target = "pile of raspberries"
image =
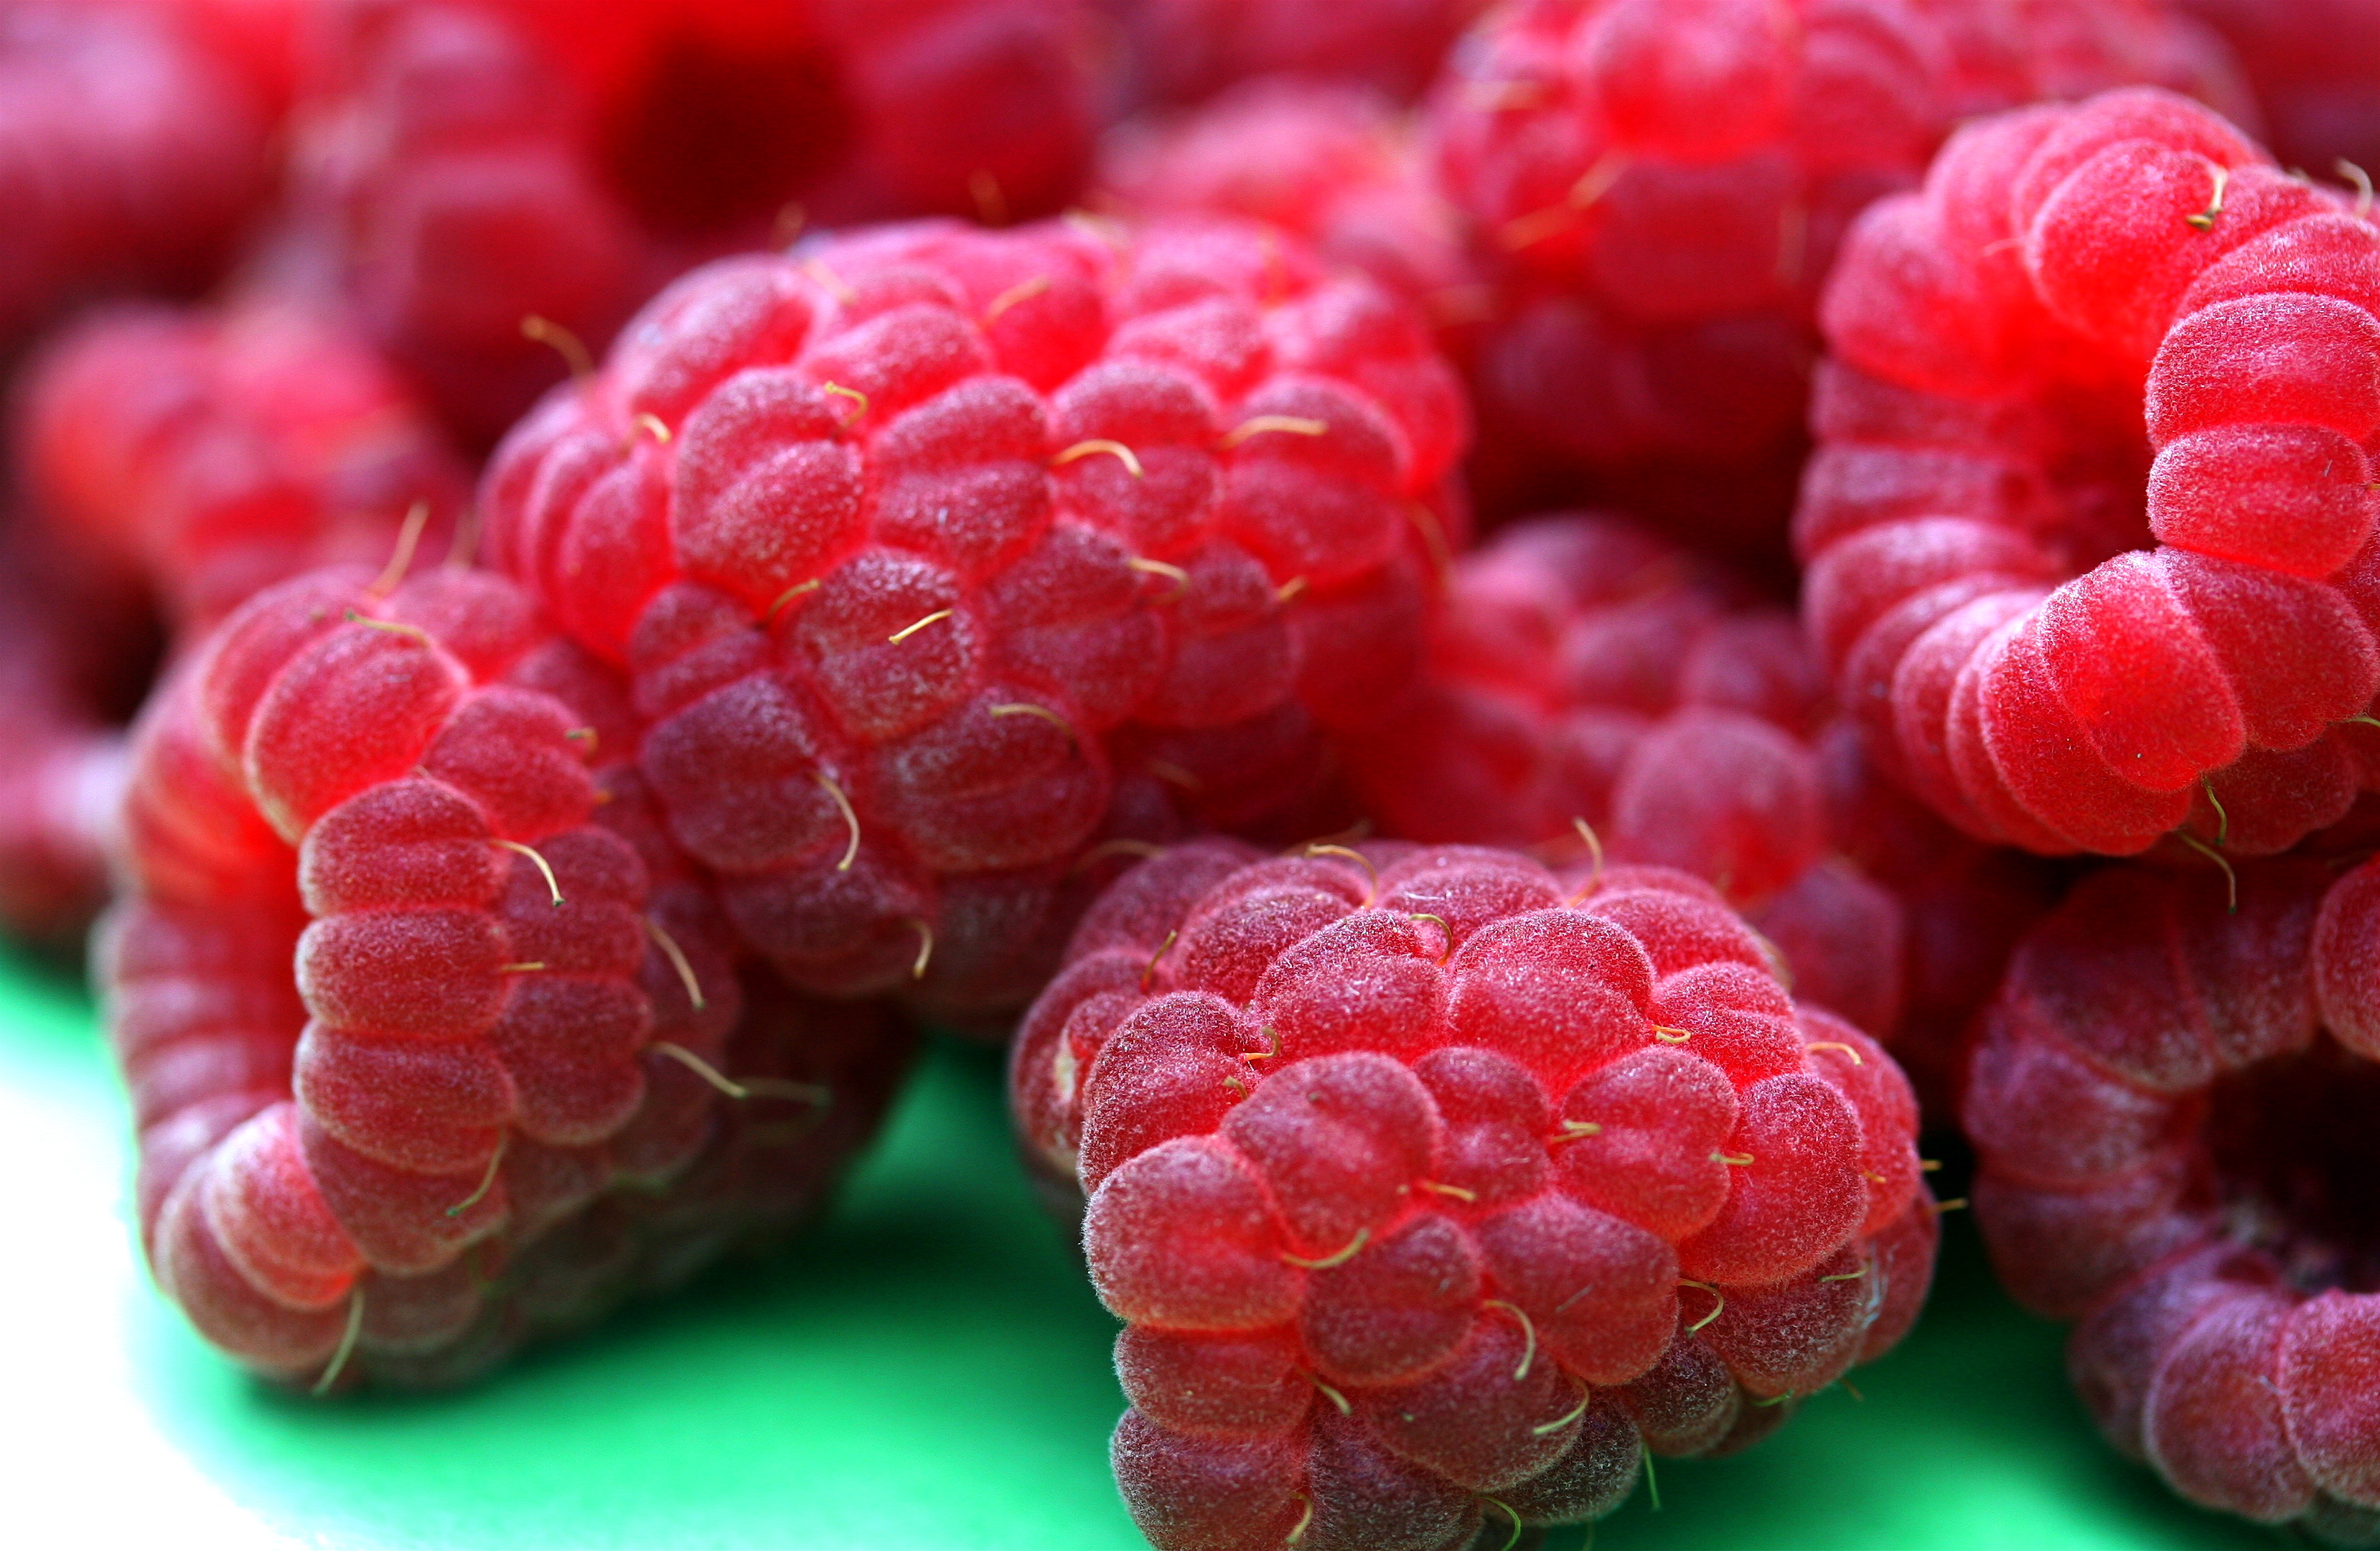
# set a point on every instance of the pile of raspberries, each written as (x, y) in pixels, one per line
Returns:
(1504, 644)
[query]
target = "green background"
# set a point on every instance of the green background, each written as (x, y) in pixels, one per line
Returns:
(927, 1369)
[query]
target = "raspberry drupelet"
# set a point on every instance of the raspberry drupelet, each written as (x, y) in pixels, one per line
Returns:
(2090, 527)
(946, 564)
(1661, 187)
(206, 453)
(465, 164)
(129, 156)
(1185, 51)
(470, 1113)
(2172, 1104)
(1590, 684)
(1434, 1193)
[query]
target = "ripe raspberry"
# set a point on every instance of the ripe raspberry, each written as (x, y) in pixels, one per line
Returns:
(1584, 670)
(2057, 641)
(206, 455)
(2314, 66)
(1432, 1200)
(2173, 1104)
(938, 557)
(128, 156)
(418, 1149)
(1333, 163)
(469, 162)
(1663, 183)
(1183, 51)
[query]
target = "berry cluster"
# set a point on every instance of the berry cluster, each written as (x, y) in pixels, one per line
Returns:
(1660, 189)
(1433, 1193)
(1014, 474)
(2061, 633)
(499, 1014)
(938, 558)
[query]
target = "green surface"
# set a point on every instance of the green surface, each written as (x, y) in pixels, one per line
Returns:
(926, 1370)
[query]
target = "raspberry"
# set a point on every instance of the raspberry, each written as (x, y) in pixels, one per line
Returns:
(941, 558)
(424, 1147)
(2061, 633)
(1588, 672)
(1664, 185)
(2172, 1104)
(129, 157)
(1333, 163)
(1186, 50)
(2314, 65)
(1432, 1199)
(209, 453)
(472, 162)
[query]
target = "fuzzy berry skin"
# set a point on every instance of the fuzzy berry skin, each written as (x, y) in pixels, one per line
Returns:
(1336, 165)
(1663, 186)
(939, 557)
(2314, 67)
(466, 164)
(2172, 1104)
(129, 157)
(1583, 669)
(1432, 1199)
(345, 1171)
(208, 454)
(1185, 51)
(2064, 634)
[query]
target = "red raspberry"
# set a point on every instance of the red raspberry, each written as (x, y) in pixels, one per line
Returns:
(1334, 163)
(1584, 672)
(936, 555)
(2057, 641)
(2173, 1104)
(413, 1152)
(470, 162)
(1664, 183)
(2314, 65)
(128, 156)
(1433, 1199)
(208, 455)
(1186, 50)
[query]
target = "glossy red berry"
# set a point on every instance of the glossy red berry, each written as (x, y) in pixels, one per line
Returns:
(940, 558)
(1433, 1195)
(412, 1152)
(2089, 530)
